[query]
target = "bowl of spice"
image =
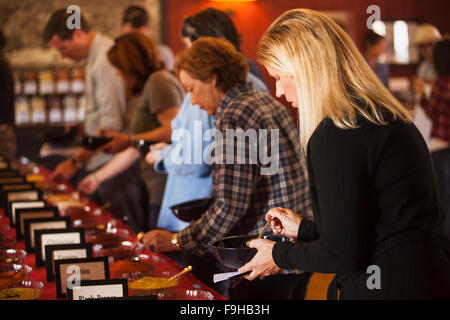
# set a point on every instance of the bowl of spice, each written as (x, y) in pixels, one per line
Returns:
(12, 256)
(126, 250)
(160, 284)
(111, 238)
(25, 290)
(135, 268)
(11, 274)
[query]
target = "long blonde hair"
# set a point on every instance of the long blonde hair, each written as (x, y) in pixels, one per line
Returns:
(332, 78)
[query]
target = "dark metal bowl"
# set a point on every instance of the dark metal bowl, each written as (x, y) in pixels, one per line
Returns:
(191, 210)
(91, 142)
(233, 252)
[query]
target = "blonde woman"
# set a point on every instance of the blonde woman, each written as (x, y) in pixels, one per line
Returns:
(377, 216)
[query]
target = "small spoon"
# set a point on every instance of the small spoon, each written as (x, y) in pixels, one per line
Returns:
(264, 229)
(185, 270)
(261, 233)
(139, 236)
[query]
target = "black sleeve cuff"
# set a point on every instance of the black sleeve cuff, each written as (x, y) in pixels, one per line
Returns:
(279, 254)
(307, 231)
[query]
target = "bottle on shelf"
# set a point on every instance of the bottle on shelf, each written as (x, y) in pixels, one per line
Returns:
(81, 108)
(70, 109)
(55, 114)
(38, 111)
(63, 82)
(30, 85)
(46, 83)
(22, 111)
(77, 83)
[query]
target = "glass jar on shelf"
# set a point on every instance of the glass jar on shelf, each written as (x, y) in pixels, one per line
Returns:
(81, 108)
(22, 111)
(38, 111)
(46, 82)
(70, 109)
(30, 84)
(62, 81)
(55, 114)
(17, 82)
(77, 82)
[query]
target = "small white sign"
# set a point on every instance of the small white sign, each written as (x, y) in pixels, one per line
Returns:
(58, 238)
(98, 292)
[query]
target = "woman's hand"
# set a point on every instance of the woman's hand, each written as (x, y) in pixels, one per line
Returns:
(262, 264)
(155, 153)
(284, 222)
(89, 184)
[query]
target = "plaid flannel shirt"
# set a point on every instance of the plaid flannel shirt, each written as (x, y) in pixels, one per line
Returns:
(242, 194)
(438, 109)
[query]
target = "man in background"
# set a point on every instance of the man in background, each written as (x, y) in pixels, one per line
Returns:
(105, 109)
(136, 19)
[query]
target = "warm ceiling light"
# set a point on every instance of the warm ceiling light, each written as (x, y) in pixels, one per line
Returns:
(234, 0)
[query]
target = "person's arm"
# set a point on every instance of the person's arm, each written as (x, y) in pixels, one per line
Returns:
(117, 165)
(188, 153)
(110, 97)
(343, 191)
(233, 188)
(163, 133)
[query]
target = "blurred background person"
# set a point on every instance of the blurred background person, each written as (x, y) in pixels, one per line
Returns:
(215, 23)
(374, 46)
(425, 37)
(106, 107)
(158, 97)
(136, 19)
(8, 145)
(437, 106)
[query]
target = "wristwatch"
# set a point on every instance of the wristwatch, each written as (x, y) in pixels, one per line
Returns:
(175, 240)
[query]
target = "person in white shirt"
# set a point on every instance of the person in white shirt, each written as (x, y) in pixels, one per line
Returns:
(106, 105)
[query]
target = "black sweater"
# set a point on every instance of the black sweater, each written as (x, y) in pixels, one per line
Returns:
(366, 184)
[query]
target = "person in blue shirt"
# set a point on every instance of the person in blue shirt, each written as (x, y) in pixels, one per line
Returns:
(189, 176)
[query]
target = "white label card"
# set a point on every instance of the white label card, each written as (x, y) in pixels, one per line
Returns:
(97, 292)
(58, 238)
(23, 205)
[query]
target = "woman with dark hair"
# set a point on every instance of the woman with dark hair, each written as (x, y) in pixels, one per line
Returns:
(218, 24)
(157, 96)
(8, 145)
(374, 46)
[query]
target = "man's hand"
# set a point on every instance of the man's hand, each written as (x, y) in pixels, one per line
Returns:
(119, 143)
(64, 171)
(159, 241)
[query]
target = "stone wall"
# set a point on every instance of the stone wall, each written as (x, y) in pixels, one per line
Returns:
(22, 22)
